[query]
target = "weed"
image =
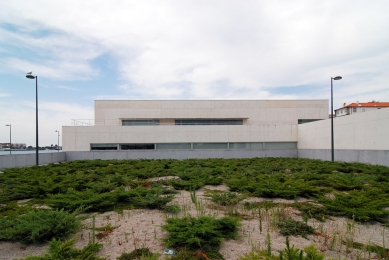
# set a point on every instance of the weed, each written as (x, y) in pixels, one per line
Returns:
(289, 253)
(196, 255)
(104, 230)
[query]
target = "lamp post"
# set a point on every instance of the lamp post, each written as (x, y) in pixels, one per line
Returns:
(332, 118)
(10, 145)
(58, 140)
(30, 76)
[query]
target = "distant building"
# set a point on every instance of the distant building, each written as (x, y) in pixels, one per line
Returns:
(359, 107)
(13, 145)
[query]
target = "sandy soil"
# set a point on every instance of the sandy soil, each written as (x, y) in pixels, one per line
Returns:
(142, 228)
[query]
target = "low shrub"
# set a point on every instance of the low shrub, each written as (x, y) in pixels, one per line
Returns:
(39, 225)
(293, 227)
(65, 251)
(174, 209)
(225, 198)
(139, 197)
(202, 232)
(310, 210)
(139, 254)
(362, 205)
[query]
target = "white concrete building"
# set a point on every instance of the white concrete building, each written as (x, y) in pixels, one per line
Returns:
(194, 125)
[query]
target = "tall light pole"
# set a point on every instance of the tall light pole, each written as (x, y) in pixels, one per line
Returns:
(10, 143)
(332, 118)
(58, 140)
(30, 76)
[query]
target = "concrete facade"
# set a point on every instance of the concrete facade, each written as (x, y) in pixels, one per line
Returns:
(364, 131)
(361, 138)
(263, 121)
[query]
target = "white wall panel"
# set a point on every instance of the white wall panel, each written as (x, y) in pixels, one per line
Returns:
(364, 131)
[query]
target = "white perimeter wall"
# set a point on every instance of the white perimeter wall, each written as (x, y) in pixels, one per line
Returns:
(361, 131)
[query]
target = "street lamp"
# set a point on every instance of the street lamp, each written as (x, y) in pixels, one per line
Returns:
(10, 145)
(30, 76)
(332, 118)
(58, 140)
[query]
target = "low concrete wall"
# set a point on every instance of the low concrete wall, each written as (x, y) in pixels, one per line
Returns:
(178, 154)
(24, 160)
(380, 157)
(363, 156)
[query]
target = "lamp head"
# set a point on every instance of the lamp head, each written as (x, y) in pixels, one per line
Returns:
(30, 76)
(337, 78)
(8, 125)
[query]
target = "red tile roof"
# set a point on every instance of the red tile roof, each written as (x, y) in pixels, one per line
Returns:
(368, 104)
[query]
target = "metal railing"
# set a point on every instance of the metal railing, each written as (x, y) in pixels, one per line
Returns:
(83, 122)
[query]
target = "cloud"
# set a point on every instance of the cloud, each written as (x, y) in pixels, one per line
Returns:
(204, 49)
(68, 88)
(4, 95)
(52, 116)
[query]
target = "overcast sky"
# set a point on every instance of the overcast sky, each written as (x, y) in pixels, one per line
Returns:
(83, 51)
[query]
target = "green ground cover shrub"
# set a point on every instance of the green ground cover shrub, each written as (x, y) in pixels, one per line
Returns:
(225, 198)
(139, 254)
(291, 227)
(194, 179)
(140, 197)
(38, 225)
(310, 210)
(202, 232)
(96, 183)
(275, 186)
(65, 251)
(362, 205)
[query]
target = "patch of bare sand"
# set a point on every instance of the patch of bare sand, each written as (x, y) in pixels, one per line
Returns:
(142, 228)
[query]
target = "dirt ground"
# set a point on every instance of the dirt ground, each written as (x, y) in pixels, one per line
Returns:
(142, 228)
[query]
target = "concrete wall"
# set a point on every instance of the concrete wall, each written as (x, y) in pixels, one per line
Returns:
(79, 138)
(178, 154)
(263, 121)
(362, 156)
(110, 112)
(24, 160)
(362, 131)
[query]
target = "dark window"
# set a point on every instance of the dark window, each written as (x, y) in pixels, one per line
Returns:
(139, 122)
(209, 122)
(303, 121)
(103, 147)
(137, 146)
